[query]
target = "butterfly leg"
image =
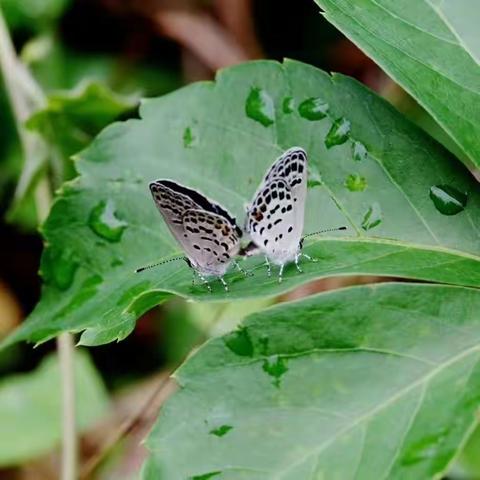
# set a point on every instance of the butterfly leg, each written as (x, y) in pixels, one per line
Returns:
(240, 269)
(280, 274)
(205, 282)
(224, 283)
(269, 268)
(308, 257)
(297, 259)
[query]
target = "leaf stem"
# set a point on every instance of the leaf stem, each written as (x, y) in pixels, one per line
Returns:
(25, 96)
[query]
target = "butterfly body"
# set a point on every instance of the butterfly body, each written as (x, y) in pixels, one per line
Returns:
(206, 231)
(275, 217)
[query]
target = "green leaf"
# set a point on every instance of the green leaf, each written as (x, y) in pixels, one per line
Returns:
(469, 460)
(370, 382)
(89, 271)
(30, 410)
(431, 48)
(73, 117)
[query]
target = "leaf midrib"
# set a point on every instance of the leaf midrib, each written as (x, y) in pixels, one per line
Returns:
(396, 47)
(453, 30)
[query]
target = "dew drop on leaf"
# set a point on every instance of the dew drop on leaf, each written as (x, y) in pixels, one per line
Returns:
(314, 179)
(104, 222)
(239, 342)
(356, 183)
(205, 476)
(189, 139)
(116, 262)
(373, 217)
(424, 449)
(448, 200)
(260, 107)
(288, 105)
(264, 344)
(359, 152)
(221, 430)
(313, 109)
(275, 366)
(58, 268)
(338, 133)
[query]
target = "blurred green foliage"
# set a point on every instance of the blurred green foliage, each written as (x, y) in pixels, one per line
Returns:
(33, 15)
(30, 407)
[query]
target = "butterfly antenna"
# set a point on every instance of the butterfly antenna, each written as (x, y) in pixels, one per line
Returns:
(324, 231)
(146, 267)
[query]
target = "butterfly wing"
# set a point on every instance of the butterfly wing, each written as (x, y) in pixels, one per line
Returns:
(173, 200)
(276, 216)
(172, 205)
(211, 240)
(291, 166)
(271, 218)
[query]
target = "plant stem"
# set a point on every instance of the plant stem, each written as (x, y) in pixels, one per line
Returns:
(24, 101)
(65, 349)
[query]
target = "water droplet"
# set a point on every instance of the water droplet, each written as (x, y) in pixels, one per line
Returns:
(264, 344)
(58, 267)
(359, 152)
(105, 223)
(116, 262)
(373, 217)
(260, 107)
(313, 109)
(424, 449)
(338, 133)
(239, 342)
(221, 430)
(275, 366)
(314, 179)
(206, 476)
(288, 105)
(448, 200)
(356, 183)
(189, 139)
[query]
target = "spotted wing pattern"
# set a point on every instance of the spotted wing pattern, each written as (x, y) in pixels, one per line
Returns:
(291, 166)
(210, 238)
(181, 207)
(271, 219)
(275, 218)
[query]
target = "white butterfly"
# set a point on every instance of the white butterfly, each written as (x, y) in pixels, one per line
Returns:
(208, 233)
(276, 215)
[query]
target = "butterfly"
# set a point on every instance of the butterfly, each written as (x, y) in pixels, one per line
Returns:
(206, 231)
(275, 217)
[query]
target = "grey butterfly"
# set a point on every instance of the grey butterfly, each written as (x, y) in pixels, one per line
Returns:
(276, 215)
(208, 234)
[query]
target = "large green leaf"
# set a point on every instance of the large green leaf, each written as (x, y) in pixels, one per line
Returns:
(431, 48)
(369, 382)
(30, 408)
(104, 224)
